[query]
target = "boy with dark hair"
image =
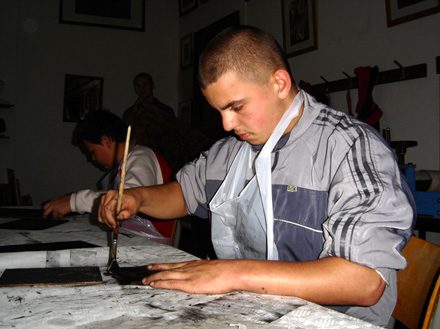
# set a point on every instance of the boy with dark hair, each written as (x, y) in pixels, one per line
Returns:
(102, 135)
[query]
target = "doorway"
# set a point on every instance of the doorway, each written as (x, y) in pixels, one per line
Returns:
(206, 118)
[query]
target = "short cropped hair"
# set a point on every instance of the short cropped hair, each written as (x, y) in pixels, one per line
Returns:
(97, 124)
(250, 52)
(145, 76)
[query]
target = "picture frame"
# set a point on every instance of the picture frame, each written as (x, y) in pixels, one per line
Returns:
(401, 11)
(127, 15)
(185, 109)
(82, 94)
(299, 26)
(185, 6)
(186, 51)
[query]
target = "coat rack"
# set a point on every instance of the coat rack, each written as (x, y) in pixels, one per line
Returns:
(437, 61)
(400, 74)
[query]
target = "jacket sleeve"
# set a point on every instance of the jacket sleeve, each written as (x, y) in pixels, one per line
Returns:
(84, 201)
(370, 208)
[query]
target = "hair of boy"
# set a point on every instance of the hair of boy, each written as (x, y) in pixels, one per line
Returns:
(97, 124)
(250, 52)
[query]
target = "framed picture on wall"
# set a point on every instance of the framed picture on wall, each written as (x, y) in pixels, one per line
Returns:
(401, 11)
(82, 94)
(129, 15)
(185, 108)
(299, 26)
(186, 51)
(185, 6)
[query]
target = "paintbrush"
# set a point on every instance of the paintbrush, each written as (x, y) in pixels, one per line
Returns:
(114, 244)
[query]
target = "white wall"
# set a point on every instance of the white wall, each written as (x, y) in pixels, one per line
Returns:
(354, 33)
(36, 53)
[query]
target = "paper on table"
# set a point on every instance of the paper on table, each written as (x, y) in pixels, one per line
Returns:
(55, 258)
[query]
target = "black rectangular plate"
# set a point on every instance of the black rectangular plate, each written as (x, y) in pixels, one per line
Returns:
(17, 212)
(32, 224)
(47, 246)
(49, 276)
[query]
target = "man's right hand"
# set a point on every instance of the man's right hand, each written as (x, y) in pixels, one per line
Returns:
(107, 208)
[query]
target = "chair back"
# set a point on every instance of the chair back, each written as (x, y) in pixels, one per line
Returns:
(165, 227)
(415, 283)
(430, 318)
(10, 193)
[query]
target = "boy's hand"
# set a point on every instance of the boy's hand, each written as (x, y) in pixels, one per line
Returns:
(58, 207)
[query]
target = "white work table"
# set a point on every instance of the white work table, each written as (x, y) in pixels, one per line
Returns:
(110, 305)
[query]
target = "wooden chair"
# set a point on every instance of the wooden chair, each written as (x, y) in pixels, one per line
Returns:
(415, 283)
(166, 228)
(432, 306)
(10, 192)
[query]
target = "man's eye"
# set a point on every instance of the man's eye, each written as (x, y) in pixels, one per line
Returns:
(236, 108)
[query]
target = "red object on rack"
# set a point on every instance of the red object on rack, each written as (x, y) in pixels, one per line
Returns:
(368, 111)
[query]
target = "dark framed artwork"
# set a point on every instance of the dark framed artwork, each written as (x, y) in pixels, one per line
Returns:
(120, 14)
(185, 6)
(186, 51)
(82, 94)
(185, 108)
(401, 11)
(299, 26)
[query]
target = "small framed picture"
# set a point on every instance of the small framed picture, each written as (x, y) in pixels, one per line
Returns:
(401, 11)
(185, 6)
(129, 15)
(82, 94)
(185, 108)
(299, 26)
(186, 51)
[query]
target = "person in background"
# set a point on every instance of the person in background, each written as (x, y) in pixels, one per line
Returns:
(102, 136)
(155, 125)
(144, 86)
(306, 201)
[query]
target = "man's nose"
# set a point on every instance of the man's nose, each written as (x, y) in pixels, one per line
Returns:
(229, 120)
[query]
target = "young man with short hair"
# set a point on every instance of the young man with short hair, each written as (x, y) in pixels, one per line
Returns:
(306, 202)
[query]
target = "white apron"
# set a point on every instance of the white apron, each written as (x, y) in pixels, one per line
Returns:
(242, 214)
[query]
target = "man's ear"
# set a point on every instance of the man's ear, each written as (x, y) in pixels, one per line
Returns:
(282, 83)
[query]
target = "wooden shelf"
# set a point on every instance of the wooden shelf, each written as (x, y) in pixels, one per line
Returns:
(437, 60)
